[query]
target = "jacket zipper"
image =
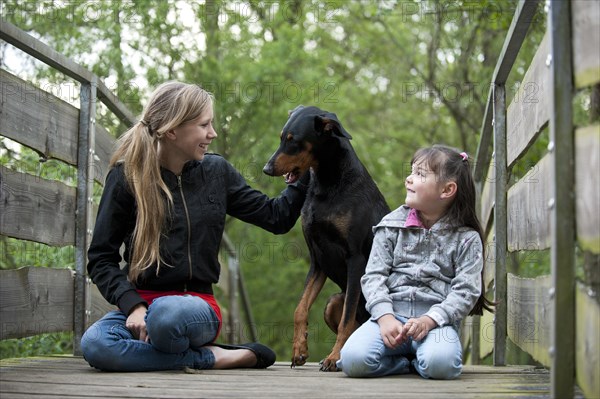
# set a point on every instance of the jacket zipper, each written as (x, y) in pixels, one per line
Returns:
(187, 216)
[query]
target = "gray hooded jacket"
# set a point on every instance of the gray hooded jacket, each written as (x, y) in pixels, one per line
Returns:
(414, 271)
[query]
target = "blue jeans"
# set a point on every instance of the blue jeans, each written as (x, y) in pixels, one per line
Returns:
(178, 327)
(438, 355)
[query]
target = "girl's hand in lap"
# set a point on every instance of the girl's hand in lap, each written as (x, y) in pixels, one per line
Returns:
(418, 328)
(391, 331)
(136, 323)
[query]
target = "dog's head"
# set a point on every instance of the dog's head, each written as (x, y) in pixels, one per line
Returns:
(306, 128)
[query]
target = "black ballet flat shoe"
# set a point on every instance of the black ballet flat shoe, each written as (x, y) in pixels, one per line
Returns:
(265, 357)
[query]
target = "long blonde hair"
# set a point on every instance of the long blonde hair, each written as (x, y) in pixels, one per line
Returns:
(171, 105)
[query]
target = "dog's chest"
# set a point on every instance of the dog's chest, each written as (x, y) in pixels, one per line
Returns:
(322, 221)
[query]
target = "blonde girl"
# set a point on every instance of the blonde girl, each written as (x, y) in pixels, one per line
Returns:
(165, 200)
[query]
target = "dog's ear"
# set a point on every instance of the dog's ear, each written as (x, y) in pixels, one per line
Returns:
(329, 122)
(298, 108)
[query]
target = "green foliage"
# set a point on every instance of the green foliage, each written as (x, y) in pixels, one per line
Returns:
(19, 253)
(44, 344)
(530, 264)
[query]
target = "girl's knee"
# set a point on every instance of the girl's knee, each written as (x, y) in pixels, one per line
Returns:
(107, 355)
(163, 320)
(171, 310)
(102, 345)
(439, 365)
(355, 362)
(163, 310)
(96, 351)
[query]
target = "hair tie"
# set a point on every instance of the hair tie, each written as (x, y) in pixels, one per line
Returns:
(464, 156)
(143, 122)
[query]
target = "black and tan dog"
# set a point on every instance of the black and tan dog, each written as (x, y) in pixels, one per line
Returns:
(342, 205)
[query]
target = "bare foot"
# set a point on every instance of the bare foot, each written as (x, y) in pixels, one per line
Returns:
(232, 358)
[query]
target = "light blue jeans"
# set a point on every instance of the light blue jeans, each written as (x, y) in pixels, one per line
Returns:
(437, 356)
(178, 327)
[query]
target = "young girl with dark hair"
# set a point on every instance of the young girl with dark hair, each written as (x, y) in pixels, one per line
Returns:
(424, 275)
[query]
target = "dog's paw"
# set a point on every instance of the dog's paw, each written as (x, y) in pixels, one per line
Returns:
(328, 364)
(298, 360)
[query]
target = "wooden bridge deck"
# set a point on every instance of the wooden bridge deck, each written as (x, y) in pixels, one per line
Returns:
(71, 377)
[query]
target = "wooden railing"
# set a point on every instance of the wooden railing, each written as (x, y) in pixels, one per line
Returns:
(36, 300)
(552, 207)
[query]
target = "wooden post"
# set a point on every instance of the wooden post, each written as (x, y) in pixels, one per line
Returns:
(83, 223)
(475, 340)
(500, 221)
(234, 307)
(233, 277)
(562, 334)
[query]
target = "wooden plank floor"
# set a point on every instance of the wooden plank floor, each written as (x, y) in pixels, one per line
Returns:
(71, 377)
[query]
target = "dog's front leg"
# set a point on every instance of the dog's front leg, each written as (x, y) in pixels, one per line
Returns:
(314, 283)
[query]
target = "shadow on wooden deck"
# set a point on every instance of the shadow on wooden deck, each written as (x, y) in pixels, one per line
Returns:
(71, 377)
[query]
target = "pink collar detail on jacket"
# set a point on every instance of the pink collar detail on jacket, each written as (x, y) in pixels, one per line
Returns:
(412, 220)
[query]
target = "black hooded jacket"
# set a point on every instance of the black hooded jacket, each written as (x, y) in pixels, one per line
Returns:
(205, 192)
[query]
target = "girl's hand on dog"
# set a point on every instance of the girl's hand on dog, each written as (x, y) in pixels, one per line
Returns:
(136, 323)
(391, 331)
